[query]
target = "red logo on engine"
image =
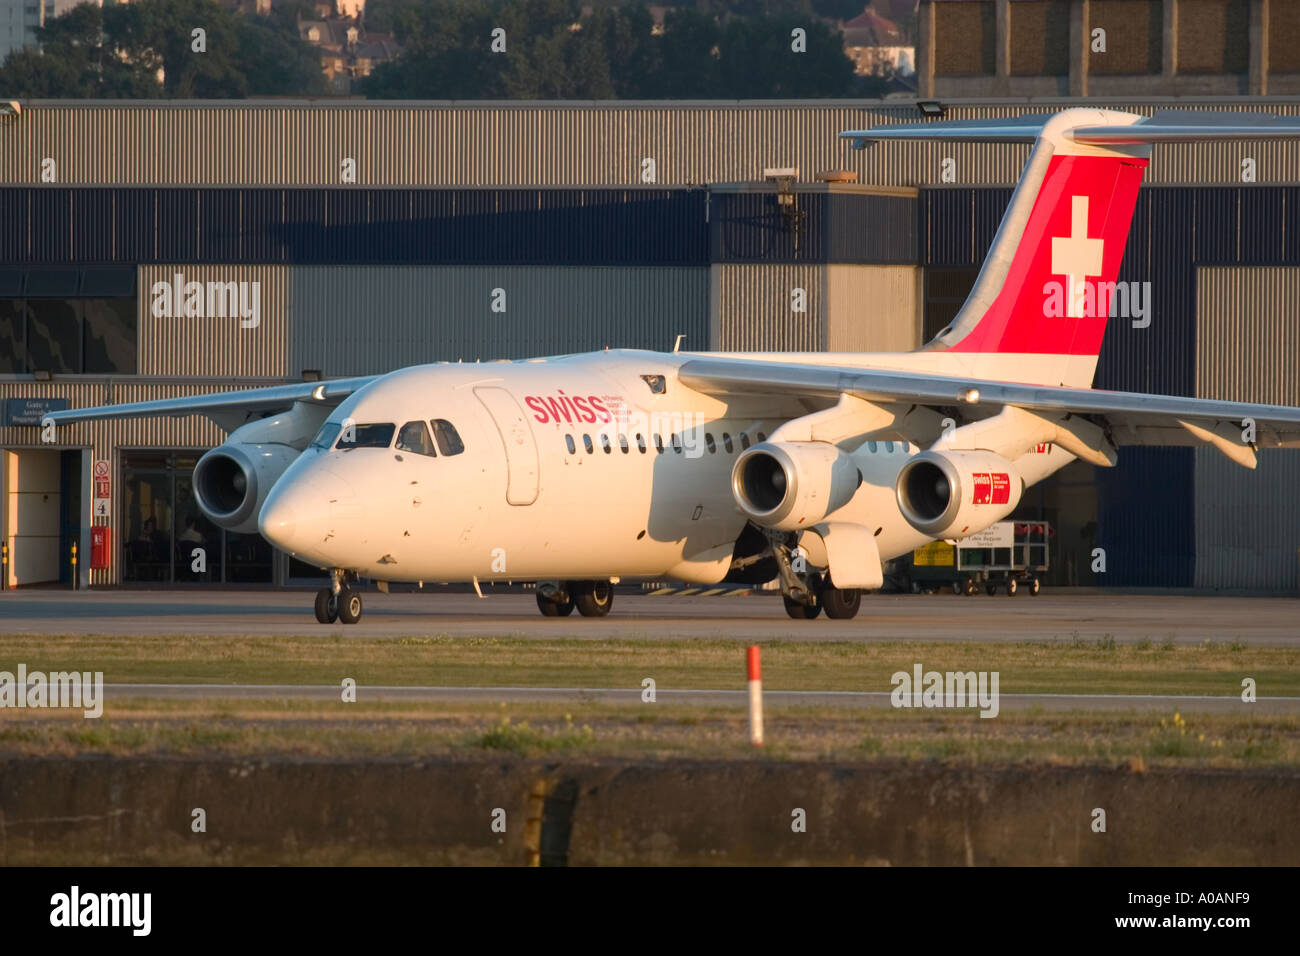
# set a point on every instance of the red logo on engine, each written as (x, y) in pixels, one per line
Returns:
(990, 488)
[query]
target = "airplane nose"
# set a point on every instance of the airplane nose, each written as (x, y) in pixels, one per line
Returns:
(278, 522)
(301, 513)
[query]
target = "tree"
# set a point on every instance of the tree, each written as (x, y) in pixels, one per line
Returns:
(118, 52)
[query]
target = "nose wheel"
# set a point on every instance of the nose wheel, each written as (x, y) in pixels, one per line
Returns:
(327, 606)
(338, 602)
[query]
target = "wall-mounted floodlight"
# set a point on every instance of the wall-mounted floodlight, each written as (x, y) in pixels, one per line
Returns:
(784, 177)
(930, 109)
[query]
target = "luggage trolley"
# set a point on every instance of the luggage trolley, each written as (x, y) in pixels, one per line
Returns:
(1006, 555)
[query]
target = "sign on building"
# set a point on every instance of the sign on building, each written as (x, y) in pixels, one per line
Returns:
(103, 490)
(30, 411)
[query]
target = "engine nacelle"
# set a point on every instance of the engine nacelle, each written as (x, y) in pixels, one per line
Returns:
(953, 494)
(232, 480)
(791, 485)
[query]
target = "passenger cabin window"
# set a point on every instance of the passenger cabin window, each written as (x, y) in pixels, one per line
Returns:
(622, 443)
(726, 442)
(568, 441)
(708, 440)
(659, 444)
(367, 436)
(640, 443)
(448, 438)
(414, 437)
(744, 440)
(586, 443)
(604, 443)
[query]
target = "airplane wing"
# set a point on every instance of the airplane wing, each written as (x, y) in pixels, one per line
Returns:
(1127, 418)
(227, 409)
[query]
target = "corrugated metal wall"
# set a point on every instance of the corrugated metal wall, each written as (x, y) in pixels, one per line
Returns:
(751, 308)
(574, 144)
(1248, 522)
(637, 226)
(841, 224)
(176, 345)
(364, 319)
(867, 308)
(1250, 339)
(1146, 519)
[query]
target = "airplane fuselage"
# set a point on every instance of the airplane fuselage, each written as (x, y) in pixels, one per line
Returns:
(589, 466)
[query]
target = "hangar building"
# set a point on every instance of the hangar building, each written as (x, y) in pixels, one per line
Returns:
(352, 238)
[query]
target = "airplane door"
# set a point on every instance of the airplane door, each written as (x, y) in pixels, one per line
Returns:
(517, 439)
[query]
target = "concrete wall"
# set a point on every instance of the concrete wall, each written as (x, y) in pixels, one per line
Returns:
(127, 810)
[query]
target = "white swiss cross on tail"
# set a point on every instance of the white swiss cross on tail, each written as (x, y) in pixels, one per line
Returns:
(1076, 257)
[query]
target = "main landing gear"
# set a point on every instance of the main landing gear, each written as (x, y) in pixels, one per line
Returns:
(559, 598)
(840, 604)
(338, 602)
(806, 593)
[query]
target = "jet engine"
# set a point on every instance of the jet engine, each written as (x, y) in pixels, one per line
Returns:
(232, 480)
(791, 485)
(953, 494)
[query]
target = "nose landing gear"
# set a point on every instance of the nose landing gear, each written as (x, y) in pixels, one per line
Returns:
(338, 602)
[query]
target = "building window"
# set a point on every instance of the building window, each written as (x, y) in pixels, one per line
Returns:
(68, 321)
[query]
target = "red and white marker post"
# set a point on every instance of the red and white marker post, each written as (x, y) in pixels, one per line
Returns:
(755, 697)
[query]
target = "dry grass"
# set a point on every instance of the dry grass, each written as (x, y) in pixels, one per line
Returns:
(1068, 666)
(311, 728)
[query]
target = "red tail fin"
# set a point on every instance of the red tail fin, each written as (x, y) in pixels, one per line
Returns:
(1041, 301)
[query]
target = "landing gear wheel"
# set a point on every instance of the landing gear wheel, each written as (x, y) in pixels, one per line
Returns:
(1012, 586)
(800, 612)
(593, 598)
(551, 608)
(327, 606)
(841, 603)
(991, 589)
(349, 606)
(1034, 587)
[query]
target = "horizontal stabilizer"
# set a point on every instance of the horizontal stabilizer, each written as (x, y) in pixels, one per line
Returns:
(1166, 126)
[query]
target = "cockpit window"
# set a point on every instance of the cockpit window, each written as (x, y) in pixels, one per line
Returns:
(325, 437)
(449, 442)
(367, 436)
(414, 437)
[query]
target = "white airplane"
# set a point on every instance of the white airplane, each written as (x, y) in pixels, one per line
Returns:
(579, 470)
